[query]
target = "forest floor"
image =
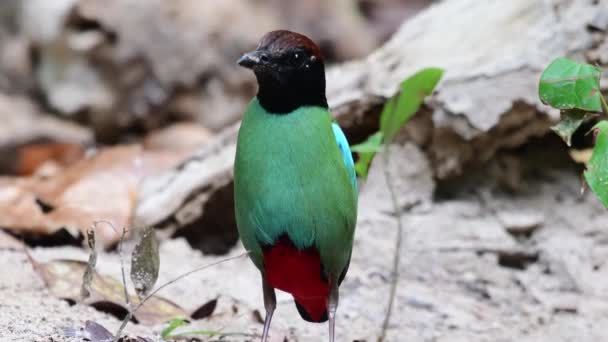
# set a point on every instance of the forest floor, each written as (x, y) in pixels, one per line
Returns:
(480, 261)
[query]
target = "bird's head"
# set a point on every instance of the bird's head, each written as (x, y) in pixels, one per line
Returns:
(289, 69)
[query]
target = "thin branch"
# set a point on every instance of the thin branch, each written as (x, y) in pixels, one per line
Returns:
(122, 267)
(397, 255)
(604, 104)
(120, 256)
(133, 310)
(200, 268)
(127, 318)
(124, 323)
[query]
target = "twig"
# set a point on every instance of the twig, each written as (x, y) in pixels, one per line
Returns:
(200, 268)
(397, 255)
(122, 260)
(124, 284)
(122, 267)
(141, 303)
(124, 323)
(604, 104)
(124, 278)
(87, 277)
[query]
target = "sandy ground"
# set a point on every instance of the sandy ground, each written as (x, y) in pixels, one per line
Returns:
(478, 264)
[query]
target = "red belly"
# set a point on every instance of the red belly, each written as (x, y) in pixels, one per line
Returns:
(299, 273)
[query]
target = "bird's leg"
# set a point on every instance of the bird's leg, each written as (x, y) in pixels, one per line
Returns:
(332, 306)
(270, 303)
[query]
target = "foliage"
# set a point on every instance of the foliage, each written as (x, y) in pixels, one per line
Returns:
(366, 151)
(145, 263)
(396, 113)
(566, 85)
(574, 88)
(597, 168)
(174, 324)
(168, 332)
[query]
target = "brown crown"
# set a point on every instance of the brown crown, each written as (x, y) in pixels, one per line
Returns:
(282, 40)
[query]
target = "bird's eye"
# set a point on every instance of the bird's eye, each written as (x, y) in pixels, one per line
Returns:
(264, 58)
(295, 58)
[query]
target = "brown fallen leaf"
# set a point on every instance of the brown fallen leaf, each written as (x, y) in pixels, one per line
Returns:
(54, 156)
(101, 187)
(63, 279)
(24, 123)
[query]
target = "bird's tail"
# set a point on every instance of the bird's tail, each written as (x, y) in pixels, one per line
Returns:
(312, 310)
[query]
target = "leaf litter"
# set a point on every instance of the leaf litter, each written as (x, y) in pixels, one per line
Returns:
(145, 263)
(103, 186)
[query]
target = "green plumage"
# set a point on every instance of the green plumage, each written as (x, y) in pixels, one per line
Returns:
(290, 178)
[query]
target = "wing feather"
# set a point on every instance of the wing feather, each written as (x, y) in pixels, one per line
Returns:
(347, 155)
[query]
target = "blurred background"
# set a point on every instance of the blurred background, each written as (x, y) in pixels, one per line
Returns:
(121, 69)
(126, 111)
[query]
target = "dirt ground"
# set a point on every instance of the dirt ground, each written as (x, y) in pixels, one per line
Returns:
(479, 262)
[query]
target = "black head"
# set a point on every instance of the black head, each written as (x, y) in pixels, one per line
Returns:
(290, 72)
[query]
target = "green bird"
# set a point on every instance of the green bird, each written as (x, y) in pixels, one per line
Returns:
(295, 186)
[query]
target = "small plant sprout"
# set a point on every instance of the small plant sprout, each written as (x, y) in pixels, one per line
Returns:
(397, 111)
(574, 89)
(145, 264)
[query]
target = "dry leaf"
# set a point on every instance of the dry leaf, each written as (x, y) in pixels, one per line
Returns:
(97, 332)
(581, 156)
(23, 123)
(204, 310)
(85, 290)
(63, 279)
(102, 187)
(92, 331)
(54, 156)
(145, 263)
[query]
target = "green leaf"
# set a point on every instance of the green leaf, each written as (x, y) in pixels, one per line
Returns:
(399, 109)
(570, 121)
(597, 168)
(145, 263)
(210, 333)
(566, 84)
(372, 144)
(174, 324)
(367, 150)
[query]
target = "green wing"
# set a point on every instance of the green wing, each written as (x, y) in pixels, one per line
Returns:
(290, 178)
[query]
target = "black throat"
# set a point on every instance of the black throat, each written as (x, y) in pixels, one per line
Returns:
(286, 93)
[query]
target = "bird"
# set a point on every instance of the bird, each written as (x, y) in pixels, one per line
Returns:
(295, 187)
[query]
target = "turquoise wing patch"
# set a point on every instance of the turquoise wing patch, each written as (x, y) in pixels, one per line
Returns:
(347, 156)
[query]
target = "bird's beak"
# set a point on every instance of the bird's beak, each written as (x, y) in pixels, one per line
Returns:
(251, 59)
